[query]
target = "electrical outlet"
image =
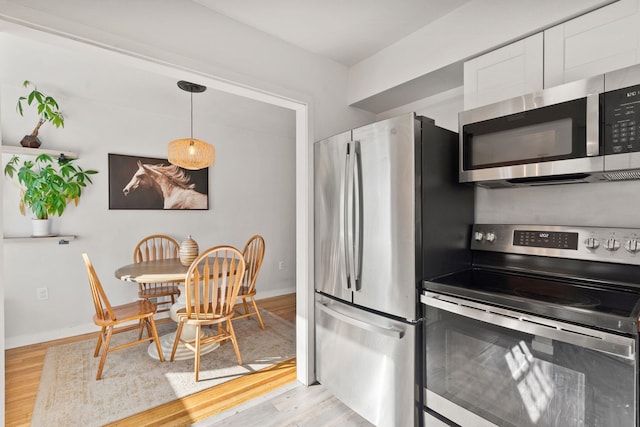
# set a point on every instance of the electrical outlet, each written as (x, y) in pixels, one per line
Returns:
(42, 293)
(281, 265)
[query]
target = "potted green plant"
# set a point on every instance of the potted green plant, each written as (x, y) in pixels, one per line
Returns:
(48, 111)
(47, 187)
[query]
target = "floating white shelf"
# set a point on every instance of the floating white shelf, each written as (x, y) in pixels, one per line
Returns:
(14, 149)
(62, 239)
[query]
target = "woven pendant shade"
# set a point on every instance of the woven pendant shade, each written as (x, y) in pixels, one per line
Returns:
(191, 153)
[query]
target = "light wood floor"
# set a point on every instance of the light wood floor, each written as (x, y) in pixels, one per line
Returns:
(23, 367)
(292, 405)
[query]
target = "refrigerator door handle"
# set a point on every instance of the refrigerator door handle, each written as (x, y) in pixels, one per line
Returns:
(357, 226)
(348, 215)
(390, 331)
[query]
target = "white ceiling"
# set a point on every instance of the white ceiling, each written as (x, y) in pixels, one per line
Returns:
(346, 31)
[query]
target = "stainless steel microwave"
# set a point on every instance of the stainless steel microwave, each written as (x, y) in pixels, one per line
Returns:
(550, 136)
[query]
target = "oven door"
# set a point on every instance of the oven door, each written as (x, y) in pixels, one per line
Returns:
(489, 366)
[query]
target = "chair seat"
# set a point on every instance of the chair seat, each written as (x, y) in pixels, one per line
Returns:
(164, 290)
(127, 312)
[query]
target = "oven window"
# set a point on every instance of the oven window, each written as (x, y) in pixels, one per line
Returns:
(548, 133)
(511, 378)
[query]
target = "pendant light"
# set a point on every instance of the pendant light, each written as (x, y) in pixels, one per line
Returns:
(191, 153)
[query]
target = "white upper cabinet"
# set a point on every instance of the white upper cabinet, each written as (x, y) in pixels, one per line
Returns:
(597, 42)
(513, 70)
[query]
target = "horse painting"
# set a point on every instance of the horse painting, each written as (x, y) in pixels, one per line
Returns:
(171, 182)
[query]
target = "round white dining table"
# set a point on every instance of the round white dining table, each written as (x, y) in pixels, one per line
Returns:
(167, 271)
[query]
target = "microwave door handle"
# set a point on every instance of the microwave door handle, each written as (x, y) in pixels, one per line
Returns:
(357, 202)
(348, 215)
(593, 124)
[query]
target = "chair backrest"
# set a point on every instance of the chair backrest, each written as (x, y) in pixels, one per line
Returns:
(104, 312)
(213, 282)
(156, 246)
(253, 254)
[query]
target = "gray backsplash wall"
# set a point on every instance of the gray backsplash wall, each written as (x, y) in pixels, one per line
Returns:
(607, 204)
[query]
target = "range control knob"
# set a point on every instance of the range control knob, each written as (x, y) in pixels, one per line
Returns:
(491, 237)
(478, 236)
(632, 246)
(592, 243)
(611, 244)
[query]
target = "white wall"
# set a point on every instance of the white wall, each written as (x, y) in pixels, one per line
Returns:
(251, 184)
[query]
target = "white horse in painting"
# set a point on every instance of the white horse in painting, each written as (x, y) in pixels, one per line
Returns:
(172, 182)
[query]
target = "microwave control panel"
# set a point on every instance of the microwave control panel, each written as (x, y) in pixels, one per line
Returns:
(621, 114)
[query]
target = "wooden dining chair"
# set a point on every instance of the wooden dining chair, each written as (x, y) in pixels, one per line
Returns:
(211, 289)
(109, 317)
(151, 248)
(253, 254)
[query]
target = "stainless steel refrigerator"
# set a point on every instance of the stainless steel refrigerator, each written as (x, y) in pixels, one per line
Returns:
(389, 213)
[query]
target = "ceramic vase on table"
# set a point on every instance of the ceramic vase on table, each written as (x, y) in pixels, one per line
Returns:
(188, 251)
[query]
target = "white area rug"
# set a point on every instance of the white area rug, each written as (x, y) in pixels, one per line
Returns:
(132, 382)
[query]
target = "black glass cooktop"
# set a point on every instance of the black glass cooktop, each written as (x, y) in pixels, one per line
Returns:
(599, 305)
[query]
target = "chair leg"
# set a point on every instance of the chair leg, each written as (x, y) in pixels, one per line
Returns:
(245, 305)
(99, 343)
(197, 356)
(156, 339)
(141, 325)
(176, 340)
(234, 341)
(105, 350)
(255, 307)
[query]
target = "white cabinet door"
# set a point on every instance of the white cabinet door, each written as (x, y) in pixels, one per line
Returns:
(597, 42)
(513, 70)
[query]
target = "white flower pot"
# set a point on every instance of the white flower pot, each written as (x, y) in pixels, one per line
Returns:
(40, 227)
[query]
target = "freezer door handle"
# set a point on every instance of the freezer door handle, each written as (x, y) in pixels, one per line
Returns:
(388, 331)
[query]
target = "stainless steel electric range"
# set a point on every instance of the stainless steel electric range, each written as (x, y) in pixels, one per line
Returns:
(541, 330)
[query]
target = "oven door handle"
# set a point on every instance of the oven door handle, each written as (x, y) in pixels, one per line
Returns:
(617, 345)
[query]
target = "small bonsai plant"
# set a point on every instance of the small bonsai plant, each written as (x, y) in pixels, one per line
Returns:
(45, 189)
(48, 111)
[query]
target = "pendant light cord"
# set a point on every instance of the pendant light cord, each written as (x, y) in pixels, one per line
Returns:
(191, 115)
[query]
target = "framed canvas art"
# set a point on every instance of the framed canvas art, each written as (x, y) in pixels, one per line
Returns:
(137, 182)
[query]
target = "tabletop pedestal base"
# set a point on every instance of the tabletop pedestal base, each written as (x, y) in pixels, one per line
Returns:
(182, 352)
